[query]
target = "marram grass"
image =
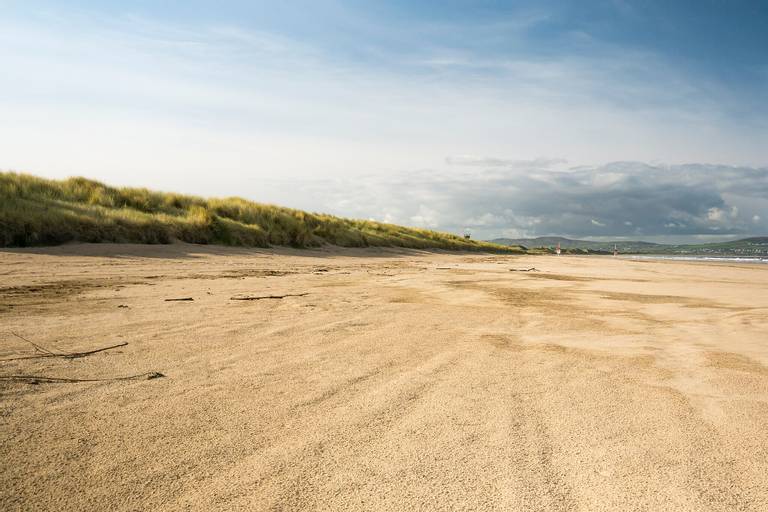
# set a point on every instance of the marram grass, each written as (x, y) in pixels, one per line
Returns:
(36, 211)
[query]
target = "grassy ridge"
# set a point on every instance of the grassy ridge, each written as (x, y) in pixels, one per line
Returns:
(36, 211)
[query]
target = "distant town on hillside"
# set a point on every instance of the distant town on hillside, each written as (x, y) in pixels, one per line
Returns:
(747, 247)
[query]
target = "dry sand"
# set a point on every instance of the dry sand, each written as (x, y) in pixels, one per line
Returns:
(401, 381)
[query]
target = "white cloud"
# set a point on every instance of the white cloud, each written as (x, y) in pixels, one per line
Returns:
(487, 219)
(484, 161)
(425, 218)
(715, 214)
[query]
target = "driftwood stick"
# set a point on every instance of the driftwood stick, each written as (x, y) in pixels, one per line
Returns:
(69, 355)
(261, 297)
(38, 348)
(89, 352)
(175, 300)
(37, 379)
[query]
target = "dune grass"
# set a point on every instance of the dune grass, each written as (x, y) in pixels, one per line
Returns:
(36, 211)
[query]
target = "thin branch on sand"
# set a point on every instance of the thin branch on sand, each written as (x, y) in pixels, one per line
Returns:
(43, 379)
(262, 297)
(38, 348)
(68, 355)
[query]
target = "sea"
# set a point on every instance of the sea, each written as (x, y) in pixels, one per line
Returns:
(719, 259)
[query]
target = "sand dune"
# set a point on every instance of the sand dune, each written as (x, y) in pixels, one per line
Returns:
(384, 380)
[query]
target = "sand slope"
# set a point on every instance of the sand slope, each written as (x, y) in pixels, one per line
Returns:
(400, 381)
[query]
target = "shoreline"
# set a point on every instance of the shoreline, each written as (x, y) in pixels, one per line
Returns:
(694, 258)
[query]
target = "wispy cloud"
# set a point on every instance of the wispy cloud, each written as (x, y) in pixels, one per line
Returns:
(484, 161)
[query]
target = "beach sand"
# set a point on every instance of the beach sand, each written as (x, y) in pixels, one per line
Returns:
(386, 380)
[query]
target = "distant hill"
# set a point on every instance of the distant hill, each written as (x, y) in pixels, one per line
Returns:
(757, 246)
(36, 211)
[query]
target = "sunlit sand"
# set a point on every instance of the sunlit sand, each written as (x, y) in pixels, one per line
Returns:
(380, 380)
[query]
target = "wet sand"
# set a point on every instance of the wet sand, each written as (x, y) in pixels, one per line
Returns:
(383, 380)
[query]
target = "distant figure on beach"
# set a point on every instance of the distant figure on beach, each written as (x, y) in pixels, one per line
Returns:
(557, 249)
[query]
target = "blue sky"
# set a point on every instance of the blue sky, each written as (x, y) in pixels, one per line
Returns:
(299, 103)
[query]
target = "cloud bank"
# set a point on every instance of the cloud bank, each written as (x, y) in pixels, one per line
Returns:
(621, 199)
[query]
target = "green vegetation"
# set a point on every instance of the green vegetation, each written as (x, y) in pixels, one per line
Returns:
(35, 211)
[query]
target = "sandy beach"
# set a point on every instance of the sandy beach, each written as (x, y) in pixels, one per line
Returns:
(381, 380)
